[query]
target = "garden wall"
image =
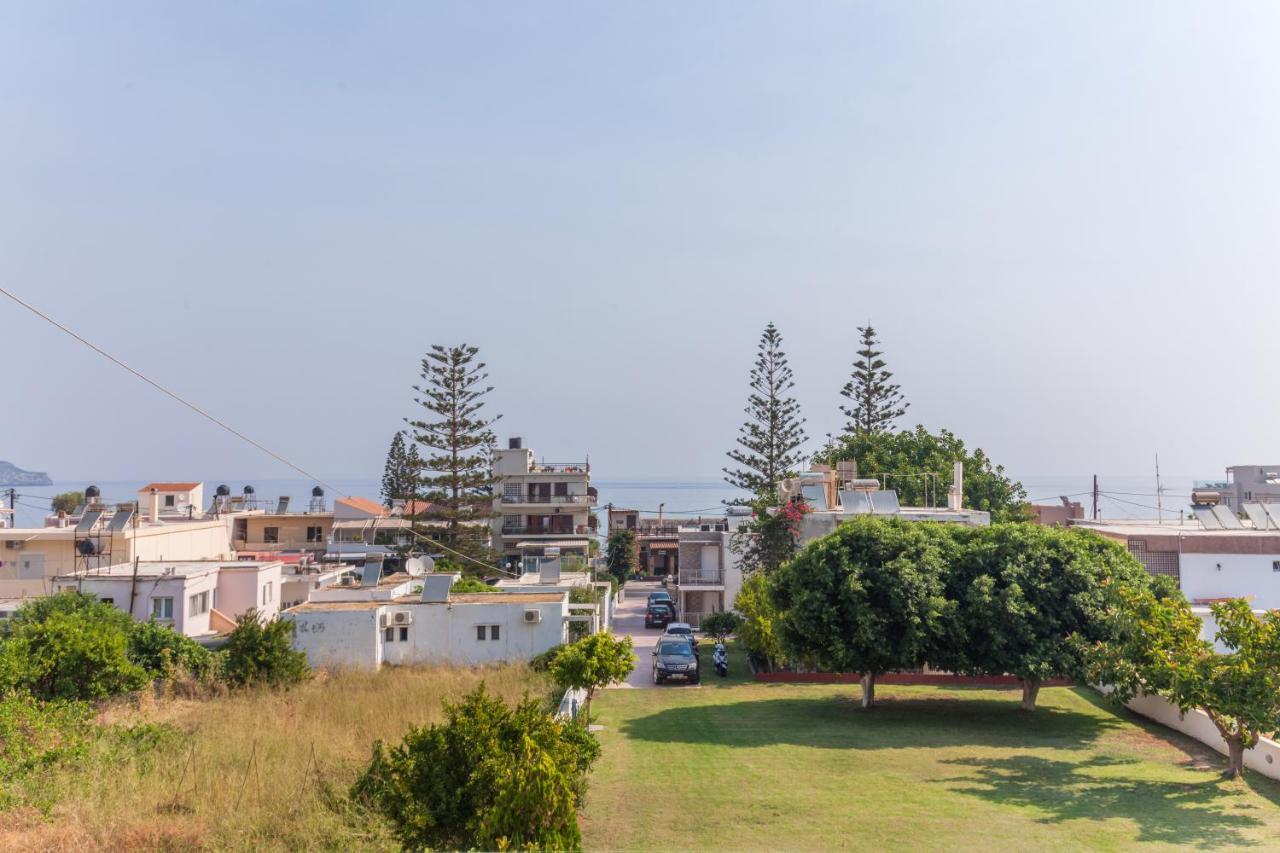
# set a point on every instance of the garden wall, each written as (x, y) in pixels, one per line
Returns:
(1263, 758)
(941, 679)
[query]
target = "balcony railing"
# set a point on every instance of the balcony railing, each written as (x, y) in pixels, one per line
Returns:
(560, 468)
(518, 530)
(584, 500)
(699, 577)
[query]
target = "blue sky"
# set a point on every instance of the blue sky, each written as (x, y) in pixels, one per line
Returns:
(1062, 219)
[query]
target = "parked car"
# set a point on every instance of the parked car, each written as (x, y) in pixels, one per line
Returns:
(659, 595)
(682, 630)
(674, 658)
(658, 615)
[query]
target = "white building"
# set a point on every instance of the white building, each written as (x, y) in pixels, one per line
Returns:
(196, 598)
(1209, 565)
(539, 505)
(1244, 484)
(414, 621)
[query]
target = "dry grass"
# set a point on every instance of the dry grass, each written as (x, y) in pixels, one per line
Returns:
(260, 770)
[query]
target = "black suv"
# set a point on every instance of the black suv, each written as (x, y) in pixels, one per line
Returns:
(659, 615)
(674, 658)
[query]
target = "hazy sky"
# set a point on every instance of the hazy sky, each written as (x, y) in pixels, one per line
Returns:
(1063, 220)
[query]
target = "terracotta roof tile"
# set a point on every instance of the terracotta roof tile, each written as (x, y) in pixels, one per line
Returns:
(169, 487)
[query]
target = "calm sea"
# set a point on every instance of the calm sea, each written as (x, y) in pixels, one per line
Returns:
(1124, 496)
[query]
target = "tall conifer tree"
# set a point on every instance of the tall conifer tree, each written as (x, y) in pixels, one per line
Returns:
(400, 473)
(456, 473)
(769, 441)
(875, 401)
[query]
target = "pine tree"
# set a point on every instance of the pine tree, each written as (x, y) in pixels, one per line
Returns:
(770, 438)
(876, 402)
(456, 475)
(400, 472)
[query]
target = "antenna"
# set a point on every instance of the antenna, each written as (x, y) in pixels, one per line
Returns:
(1159, 502)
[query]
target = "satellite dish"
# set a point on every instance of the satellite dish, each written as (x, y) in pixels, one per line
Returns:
(417, 566)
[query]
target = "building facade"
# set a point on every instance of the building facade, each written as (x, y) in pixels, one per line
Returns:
(538, 505)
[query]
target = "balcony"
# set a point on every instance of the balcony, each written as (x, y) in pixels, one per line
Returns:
(701, 577)
(577, 500)
(517, 530)
(560, 468)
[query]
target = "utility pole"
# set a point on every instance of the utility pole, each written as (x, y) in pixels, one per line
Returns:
(1095, 497)
(1159, 502)
(13, 507)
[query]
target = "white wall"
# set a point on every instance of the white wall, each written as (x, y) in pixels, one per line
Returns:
(177, 587)
(1264, 758)
(240, 588)
(1249, 576)
(439, 633)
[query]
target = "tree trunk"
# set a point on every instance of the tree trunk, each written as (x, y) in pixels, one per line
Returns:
(1030, 690)
(868, 690)
(1235, 757)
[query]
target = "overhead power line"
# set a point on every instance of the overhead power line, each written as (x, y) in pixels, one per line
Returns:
(167, 392)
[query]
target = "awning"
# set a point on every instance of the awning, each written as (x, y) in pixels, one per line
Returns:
(554, 543)
(374, 523)
(662, 546)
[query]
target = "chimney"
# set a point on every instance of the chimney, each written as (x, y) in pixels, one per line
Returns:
(155, 505)
(955, 496)
(435, 586)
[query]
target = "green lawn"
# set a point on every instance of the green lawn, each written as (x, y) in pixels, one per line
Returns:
(739, 765)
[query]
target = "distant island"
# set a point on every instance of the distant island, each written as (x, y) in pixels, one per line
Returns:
(12, 475)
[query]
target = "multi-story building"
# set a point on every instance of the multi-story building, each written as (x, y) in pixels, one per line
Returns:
(1244, 484)
(540, 505)
(658, 537)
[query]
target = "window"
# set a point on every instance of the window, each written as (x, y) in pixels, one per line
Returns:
(404, 634)
(389, 635)
(266, 593)
(1275, 565)
(271, 534)
(170, 500)
(493, 632)
(480, 632)
(315, 534)
(562, 490)
(162, 608)
(198, 604)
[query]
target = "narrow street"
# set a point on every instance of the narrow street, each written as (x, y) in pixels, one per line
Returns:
(629, 619)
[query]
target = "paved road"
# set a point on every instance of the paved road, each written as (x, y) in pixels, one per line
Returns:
(629, 619)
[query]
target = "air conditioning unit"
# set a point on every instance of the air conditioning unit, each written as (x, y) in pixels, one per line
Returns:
(532, 617)
(13, 544)
(402, 617)
(384, 621)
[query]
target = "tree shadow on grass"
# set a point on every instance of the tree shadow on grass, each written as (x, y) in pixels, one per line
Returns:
(1200, 814)
(836, 722)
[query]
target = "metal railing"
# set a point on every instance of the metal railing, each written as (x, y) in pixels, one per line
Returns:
(524, 530)
(560, 468)
(585, 500)
(698, 576)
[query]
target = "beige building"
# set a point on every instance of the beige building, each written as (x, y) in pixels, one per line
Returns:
(540, 505)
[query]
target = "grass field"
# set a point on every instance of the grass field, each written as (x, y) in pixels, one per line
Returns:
(254, 771)
(738, 765)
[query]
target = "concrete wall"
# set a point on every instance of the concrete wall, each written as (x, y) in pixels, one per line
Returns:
(437, 634)
(177, 587)
(241, 588)
(1251, 576)
(1264, 758)
(292, 532)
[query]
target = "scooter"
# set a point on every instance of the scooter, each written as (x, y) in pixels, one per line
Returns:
(720, 659)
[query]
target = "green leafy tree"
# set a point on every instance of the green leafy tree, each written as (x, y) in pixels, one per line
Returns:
(769, 441)
(919, 466)
(69, 646)
(582, 595)
(720, 624)
(161, 651)
(456, 476)
(67, 501)
(472, 585)
(770, 538)
(1157, 650)
(37, 735)
(1025, 598)
(594, 662)
(257, 653)
(867, 599)
(758, 629)
(620, 554)
(875, 402)
(399, 475)
(489, 776)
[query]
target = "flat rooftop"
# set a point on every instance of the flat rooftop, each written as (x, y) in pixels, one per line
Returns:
(413, 600)
(160, 568)
(1152, 527)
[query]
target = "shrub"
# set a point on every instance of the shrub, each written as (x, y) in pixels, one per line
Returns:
(258, 653)
(489, 777)
(37, 735)
(757, 631)
(542, 662)
(721, 624)
(69, 646)
(472, 585)
(597, 661)
(160, 650)
(582, 595)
